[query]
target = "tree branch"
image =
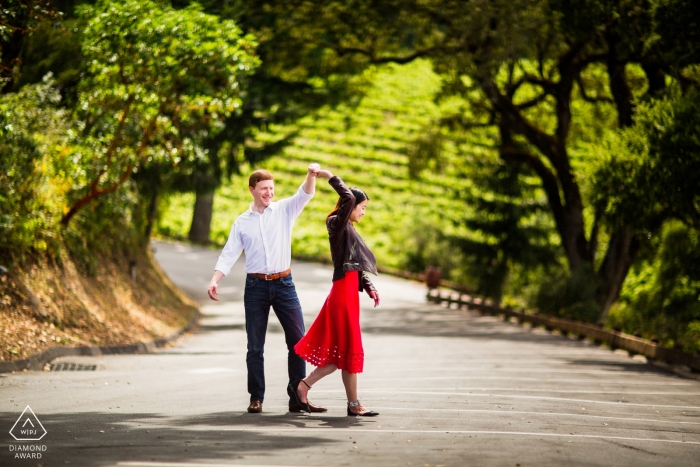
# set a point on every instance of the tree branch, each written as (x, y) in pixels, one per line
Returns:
(532, 102)
(593, 243)
(512, 117)
(341, 51)
(549, 180)
(550, 87)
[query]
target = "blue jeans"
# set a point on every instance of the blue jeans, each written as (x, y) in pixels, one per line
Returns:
(282, 296)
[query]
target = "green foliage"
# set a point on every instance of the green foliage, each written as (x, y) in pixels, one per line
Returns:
(54, 47)
(677, 32)
(647, 182)
(17, 19)
(648, 173)
(420, 214)
(158, 80)
(661, 296)
(570, 296)
(508, 226)
(105, 228)
(35, 179)
(366, 145)
(497, 113)
(31, 180)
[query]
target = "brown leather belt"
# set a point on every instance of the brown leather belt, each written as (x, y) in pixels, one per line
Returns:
(271, 277)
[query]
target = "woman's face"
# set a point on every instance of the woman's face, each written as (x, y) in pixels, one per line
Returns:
(358, 212)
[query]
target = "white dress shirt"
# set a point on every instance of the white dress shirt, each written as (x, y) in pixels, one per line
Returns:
(266, 238)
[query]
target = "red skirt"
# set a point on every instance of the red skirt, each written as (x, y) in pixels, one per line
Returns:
(334, 337)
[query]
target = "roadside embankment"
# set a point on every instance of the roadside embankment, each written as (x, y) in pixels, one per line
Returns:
(120, 301)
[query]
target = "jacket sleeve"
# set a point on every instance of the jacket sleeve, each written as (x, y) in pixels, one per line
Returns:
(366, 284)
(347, 204)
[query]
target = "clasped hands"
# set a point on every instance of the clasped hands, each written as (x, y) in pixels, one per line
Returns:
(315, 169)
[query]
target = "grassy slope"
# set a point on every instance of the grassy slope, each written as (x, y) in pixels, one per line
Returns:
(367, 146)
(46, 305)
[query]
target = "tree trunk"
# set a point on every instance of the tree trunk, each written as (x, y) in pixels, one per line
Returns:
(622, 95)
(622, 249)
(151, 215)
(201, 218)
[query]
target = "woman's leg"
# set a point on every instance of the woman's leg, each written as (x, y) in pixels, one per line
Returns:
(350, 382)
(314, 376)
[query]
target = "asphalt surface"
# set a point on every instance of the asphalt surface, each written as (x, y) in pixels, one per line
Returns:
(453, 389)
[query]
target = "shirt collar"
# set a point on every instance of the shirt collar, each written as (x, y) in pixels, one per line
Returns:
(250, 209)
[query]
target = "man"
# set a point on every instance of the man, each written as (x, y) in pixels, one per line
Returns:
(264, 231)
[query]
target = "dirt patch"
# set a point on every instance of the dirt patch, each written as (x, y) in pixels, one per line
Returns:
(47, 305)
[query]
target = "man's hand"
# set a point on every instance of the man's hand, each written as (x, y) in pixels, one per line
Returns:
(213, 290)
(309, 185)
(375, 296)
(314, 168)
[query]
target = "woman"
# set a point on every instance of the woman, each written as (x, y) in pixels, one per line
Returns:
(334, 340)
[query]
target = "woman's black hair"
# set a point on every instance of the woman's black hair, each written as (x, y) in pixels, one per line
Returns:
(359, 195)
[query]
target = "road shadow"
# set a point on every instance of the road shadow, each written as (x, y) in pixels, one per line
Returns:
(624, 366)
(434, 321)
(96, 439)
(204, 328)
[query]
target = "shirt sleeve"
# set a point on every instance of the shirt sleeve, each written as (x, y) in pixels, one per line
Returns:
(231, 252)
(296, 203)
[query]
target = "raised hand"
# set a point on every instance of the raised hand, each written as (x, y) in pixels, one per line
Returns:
(314, 168)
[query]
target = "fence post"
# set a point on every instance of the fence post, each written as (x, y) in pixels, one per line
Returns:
(432, 277)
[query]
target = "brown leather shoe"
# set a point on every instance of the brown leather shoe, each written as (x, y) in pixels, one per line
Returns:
(255, 406)
(294, 407)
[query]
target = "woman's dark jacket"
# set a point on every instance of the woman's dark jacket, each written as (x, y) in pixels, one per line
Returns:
(348, 250)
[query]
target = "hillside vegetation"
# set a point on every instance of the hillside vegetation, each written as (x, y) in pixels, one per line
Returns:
(371, 145)
(541, 153)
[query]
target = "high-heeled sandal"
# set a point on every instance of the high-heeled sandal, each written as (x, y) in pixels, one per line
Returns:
(365, 414)
(293, 387)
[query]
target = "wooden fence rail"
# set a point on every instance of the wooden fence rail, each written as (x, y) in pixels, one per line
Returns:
(616, 340)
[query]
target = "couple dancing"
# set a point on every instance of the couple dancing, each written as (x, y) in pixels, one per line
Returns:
(333, 342)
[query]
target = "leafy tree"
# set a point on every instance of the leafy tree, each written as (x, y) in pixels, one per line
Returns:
(506, 226)
(32, 184)
(524, 63)
(649, 173)
(293, 79)
(53, 47)
(158, 81)
(648, 182)
(661, 297)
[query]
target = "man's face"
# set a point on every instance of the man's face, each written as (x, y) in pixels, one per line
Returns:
(263, 192)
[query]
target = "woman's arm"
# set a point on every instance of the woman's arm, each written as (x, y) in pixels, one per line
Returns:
(347, 201)
(368, 287)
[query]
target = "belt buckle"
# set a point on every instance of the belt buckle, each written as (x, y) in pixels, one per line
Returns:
(266, 276)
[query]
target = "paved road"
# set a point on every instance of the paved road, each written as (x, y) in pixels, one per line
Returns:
(453, 389)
